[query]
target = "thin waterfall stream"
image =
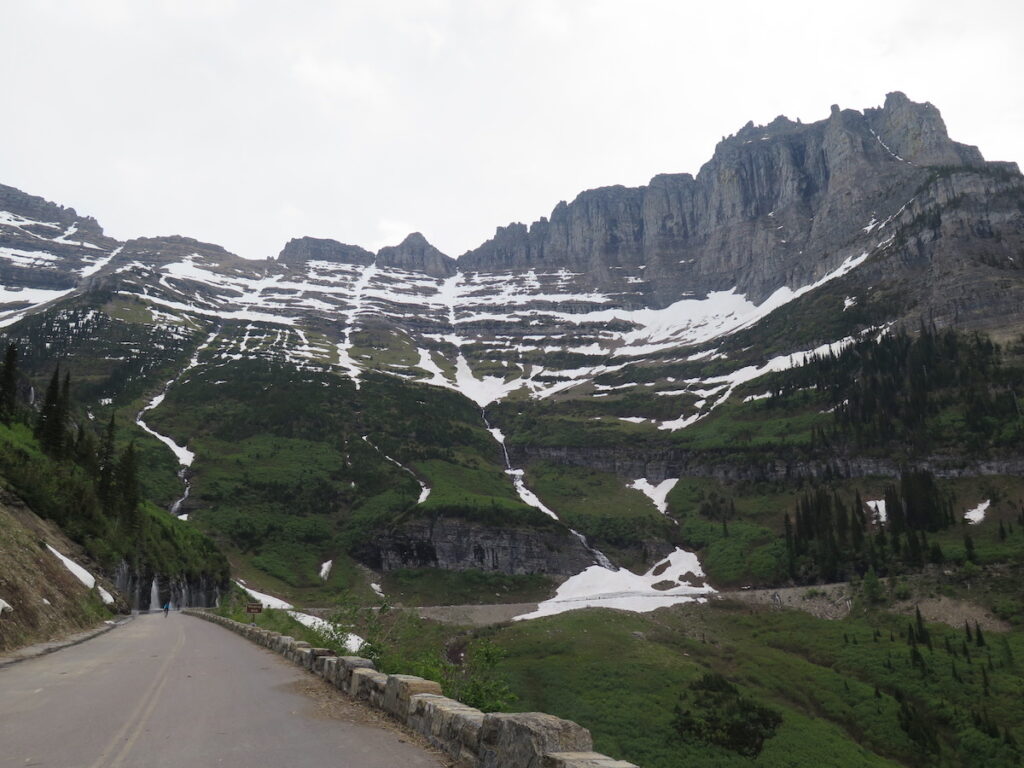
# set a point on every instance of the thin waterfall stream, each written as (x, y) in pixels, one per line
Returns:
(530, 498)
(184, 455)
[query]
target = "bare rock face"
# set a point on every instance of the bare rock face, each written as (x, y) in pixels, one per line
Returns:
(416, 254)
(45, 246)
(300, 250)
(777, 205)
(456, 545)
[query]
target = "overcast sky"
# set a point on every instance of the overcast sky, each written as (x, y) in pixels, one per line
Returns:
(246, 123)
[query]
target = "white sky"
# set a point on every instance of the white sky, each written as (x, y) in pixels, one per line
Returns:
(246, 123)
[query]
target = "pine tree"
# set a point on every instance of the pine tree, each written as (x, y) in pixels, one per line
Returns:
(979, 639)
(872, 589)
(126, 480)
(790, 552)
(105, 484)
(9, 384)
(922, 631)
(50, 423)
(969, 548)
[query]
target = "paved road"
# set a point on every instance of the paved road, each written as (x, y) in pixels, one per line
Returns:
(180, 692)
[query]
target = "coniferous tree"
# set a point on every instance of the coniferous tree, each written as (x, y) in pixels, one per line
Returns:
(105, 484)
(922, 631)
(126, 480)
(969, 548)
(50, 422)
(9, 384)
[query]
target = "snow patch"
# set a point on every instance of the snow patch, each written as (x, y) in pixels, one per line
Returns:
(82, 575)
(267, 601)
(624, 590)
(977, 514)
(656, 493)
(878, 507)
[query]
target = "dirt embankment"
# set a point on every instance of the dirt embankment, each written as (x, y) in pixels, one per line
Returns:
(835, 601)
(46, 601)
(829, 601)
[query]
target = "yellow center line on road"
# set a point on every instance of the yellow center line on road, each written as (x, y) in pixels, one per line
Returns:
(133, 726)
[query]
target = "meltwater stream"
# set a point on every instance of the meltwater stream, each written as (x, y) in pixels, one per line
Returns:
(530, 498)
(183, 454)
(424, 488)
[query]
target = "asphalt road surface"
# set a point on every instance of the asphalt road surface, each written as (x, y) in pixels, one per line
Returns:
(180, 692)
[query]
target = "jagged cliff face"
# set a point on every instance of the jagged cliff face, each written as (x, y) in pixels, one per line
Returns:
(778, 205)
(878, 210)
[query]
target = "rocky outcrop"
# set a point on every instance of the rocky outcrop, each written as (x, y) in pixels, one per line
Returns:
(300, 250)
(145, 590)
(455, 544)
(39, 212)
(415, 254)
(917, 133)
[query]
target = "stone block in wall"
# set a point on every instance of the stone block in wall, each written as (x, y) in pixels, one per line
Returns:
(377, 687)
(400, 688)
(284, 644)
(328, 668)
(583, 760)
(448, 724)
(522, 739)
(363, 681)
(319, 653)
(345, 666)
(302, 656)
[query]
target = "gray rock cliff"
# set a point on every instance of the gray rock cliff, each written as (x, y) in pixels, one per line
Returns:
(415, 254)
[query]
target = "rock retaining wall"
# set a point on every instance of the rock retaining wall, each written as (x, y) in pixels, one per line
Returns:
(469, 737)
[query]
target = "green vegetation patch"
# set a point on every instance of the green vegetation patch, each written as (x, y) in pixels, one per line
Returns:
(431, 586)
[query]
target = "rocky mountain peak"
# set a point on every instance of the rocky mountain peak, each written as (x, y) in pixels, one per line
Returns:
(175, 248)
(298, 251)
(416, 254)
(40, 217)
(917, 133)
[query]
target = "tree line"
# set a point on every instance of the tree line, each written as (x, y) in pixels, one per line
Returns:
(887, 388)
(96, 483)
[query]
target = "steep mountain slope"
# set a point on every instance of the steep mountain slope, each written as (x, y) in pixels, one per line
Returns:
(44, 596)
(333, 403)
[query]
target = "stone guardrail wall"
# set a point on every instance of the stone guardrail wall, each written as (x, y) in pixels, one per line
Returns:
(469, 737)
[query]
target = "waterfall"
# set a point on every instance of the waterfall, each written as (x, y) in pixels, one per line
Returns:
(182, 453)
(424, 488)
(154, 596)
(530, 498)
(176, 506)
